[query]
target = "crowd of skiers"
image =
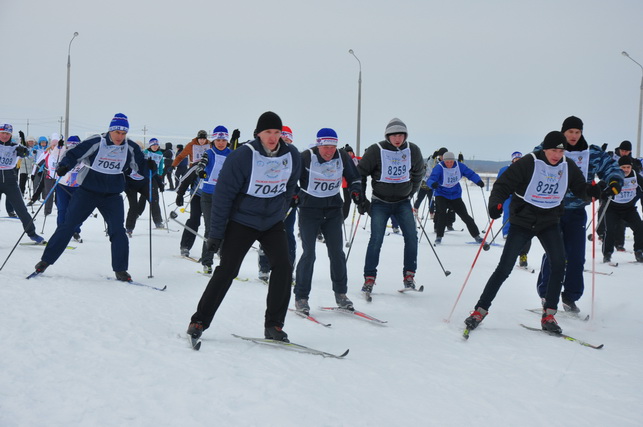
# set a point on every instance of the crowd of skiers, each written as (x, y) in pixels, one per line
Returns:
(259, 188)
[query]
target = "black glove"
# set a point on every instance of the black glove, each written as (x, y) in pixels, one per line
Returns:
(213, 245)
(179, 199)
(364, 207)
(61, 143)
(495, 211)
(62, 170)
(357, 197)
(604, 147)
(22, 137)
(593, 190)
(151, 164)
(480, 184)
(435, 185)
(235, 135)
(200, 172)
(294, 202)
(614, 188)
(435, 154)
(159, 183)
(22, 151)
(460, 158)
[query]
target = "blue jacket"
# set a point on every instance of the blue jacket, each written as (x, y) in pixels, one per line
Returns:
(98, 182)
(454, 192)
(601, 164)
(233, 204)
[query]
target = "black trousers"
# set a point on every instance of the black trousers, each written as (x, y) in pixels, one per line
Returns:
(187, 238)
(551, 239)
(237, 242)
(617, 217)
(457, 205)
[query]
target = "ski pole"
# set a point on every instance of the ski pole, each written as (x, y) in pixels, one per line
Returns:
(486, 208)
(165, 212)
(448, 319)
(593, 257)
(352, 224)
(446, 272)
(353, 238)
(466, 185)
(30, 223)
(150, 221)
(174, 215)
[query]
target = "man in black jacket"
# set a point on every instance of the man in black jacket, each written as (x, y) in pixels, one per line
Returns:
(396, 168)
(538, 183)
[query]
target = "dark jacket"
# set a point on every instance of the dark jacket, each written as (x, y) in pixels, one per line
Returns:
(233, 204)
(371, 165)
(350, 174)
(99, 182)
(515, 180)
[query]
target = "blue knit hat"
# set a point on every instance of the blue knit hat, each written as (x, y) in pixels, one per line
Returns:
(119, 122)
(220, 132)
(326, 136)
(153, 142)
(73, 140)
(516, 155)
(6, 127)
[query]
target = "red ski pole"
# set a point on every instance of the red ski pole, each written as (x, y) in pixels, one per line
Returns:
(448, 319)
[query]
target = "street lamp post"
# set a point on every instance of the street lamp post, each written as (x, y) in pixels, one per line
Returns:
(66, 134)
(359, 101)
(638, 135)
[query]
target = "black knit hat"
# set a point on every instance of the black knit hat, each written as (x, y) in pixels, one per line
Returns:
(625, 160)
(441, 151)
(268, 120)
(625, 145)
(202, 134)
(572, 122)
(554, 139)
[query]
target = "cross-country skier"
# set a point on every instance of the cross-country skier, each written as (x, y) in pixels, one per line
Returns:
(102, 181)
(320, 208)
(253, 193)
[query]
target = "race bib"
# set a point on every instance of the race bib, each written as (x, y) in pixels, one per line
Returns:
(628, 191)
(324, 179)
(450, 176)
(110, 159)
(269, 174)
(8, 157)
(548, 184)
(396, 165)
(581, 158)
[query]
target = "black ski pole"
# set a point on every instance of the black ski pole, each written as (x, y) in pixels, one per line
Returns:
(446, 272)
(353, 238)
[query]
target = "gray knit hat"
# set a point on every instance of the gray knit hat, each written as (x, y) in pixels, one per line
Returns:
(448, 156)
(395, 126)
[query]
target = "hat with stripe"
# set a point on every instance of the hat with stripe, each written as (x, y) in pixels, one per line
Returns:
(326, 136)
(119, 122)
(6, 128)
(220, 132)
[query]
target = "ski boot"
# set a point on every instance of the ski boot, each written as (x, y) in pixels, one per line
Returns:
(123, 276)
(195, 329)
(369, 282)
(569, 305)
(41, 266)
(185, 252)
(37, 239)
(475, 318)
(207, 269)
(275, 333)
(409, 280)
(478, 239)
(302, 305)
(548, 322)
(438, 240)
(343, 302)
(639, 255)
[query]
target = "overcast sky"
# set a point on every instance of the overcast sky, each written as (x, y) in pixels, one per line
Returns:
(484, 78)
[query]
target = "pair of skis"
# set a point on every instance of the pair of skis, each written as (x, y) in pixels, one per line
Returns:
(195, 343)
(130, 282)
(353, 313)
(369, 298)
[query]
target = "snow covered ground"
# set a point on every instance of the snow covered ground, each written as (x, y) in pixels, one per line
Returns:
(77, 349)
